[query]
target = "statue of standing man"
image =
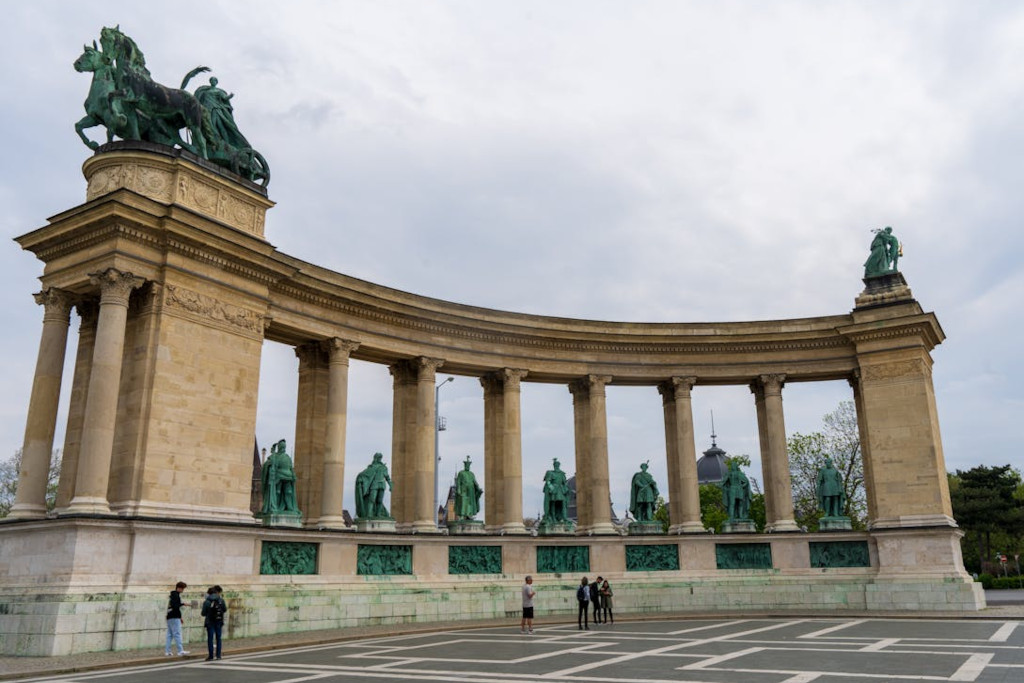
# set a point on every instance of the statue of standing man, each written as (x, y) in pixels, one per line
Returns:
(556, 495)
(736, 493)
(278, 479)
(885, 254)
(371, 484)
(467, 493)
(830, 491)
(643, 496)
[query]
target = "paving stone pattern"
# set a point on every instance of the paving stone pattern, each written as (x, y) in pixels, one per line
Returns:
(760, 650)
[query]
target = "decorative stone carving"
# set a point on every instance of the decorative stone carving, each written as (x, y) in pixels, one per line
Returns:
(210, 308)
(913, 367)
(56, 304)
(382, 560)
(148, 181)
(474, 559)
(743, 555)
(652, 558)
(561, 559)
(115, 287)
(278, 557)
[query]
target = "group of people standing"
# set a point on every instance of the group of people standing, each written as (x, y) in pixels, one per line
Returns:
(213, 611)
(596, 596)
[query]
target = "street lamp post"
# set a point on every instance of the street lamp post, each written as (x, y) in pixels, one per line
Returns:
(439, 426)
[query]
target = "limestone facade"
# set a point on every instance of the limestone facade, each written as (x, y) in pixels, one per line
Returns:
(177, 289)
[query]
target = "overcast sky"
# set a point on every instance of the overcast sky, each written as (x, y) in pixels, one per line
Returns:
(632, 161)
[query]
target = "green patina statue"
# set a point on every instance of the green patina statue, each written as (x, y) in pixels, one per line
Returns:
(278, 478)
(830, 491)
(467, 493)
(643, 496)
(885, 253)
(126, 100)
(736, 493)
(371, 484)
(556, 495)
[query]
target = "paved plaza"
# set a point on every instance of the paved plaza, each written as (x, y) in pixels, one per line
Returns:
(840, 650)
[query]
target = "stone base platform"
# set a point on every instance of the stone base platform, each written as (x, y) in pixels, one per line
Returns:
(83, 585)
(466, 527)
(739, 526)
(375, 526)
(292, 520)
(835, 524)
(645, 529)
(556, 529)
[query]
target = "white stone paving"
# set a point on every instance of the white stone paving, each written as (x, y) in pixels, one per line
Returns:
(699, 651)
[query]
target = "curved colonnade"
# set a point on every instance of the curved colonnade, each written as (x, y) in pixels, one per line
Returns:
(177, 289)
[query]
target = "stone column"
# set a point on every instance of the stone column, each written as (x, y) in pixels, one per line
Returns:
(402, 421)
(332, 497)
(762, 433)
(781, 492)
(512, 452)
(494, 444)
(681, 460)
(88, 312)
(310, 429)
(600, 496)
(101, 403)
(581, 428)
(865, 446)
(423, 456)
(30, 501)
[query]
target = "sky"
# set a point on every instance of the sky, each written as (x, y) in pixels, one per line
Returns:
(626, 161)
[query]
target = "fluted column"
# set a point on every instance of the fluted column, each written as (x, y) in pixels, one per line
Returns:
(781, 491)
(762, 435)
(310, 429)
(101, 404)
(423, 454)
(333, 494)
(512, 460)
(402, 427)
(681, 461)
(30, 501)
(88, 312)
(494, 444)
(580, 391)
(601, 514)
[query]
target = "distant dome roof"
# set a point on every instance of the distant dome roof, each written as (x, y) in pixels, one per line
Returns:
(711, 467)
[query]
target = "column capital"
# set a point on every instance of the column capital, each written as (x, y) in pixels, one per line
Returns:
(56, 304)
(402, 372)
(596, 384)
(772, 383)
(338, 350)
(88, 313)
(115, 286)
(676, 388)
(426, 367)
(310, 354)
(491, 383)
(579, 388)
(854, 379)
(512, 377)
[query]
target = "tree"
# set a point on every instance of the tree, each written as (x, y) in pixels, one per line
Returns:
(839, 439)
(987, 507)
(9, 471)
(661, 513)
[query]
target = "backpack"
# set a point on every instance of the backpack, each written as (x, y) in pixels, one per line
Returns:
(214, 611)
(580, 595)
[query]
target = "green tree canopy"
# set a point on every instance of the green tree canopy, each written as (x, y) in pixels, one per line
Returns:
(987, 505)
(839, 439)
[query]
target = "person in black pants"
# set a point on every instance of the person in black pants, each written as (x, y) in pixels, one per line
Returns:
(214, 609)
(595, 599)
(583, 598)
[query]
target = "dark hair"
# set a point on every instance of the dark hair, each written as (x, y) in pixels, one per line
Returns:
(218, 590)
(181, 584)
(584, 582)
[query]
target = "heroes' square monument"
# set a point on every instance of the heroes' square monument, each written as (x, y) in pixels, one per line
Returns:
(176, 288)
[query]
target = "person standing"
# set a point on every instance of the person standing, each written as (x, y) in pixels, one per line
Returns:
(174, 621)
(528, 594)
(606, 602)
(214, 609)
(583, 598)
(595, 599)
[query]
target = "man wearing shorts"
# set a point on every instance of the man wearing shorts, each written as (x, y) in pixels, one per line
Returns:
(528, 594)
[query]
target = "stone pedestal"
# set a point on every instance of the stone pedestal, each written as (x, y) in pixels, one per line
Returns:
(834, 524)
(461, 527)
(645, 529)
(739, 526)
(556, 529)
(285, 519)
(376, 526)
(884, 289)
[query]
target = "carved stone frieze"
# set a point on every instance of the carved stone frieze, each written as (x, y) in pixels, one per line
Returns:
(149, 181)
(901, 369)
(212, 309)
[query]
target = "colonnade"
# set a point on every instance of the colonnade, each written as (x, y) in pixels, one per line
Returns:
(321, 419)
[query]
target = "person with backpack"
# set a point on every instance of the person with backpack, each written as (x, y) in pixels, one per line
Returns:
(174, 605)
(214, 609)
(583, 598)
(595, 599)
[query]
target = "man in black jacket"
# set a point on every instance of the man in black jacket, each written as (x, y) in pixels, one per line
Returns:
(595, 599)
(174, 621)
